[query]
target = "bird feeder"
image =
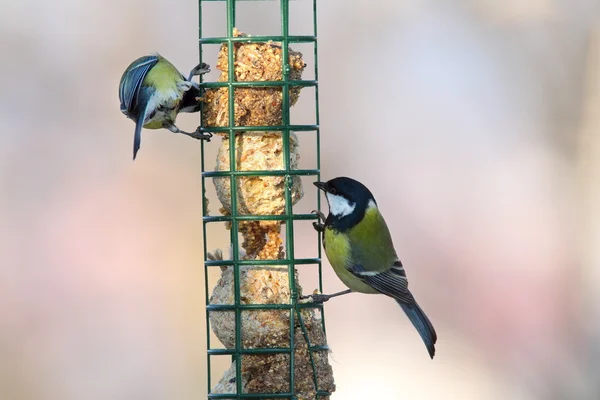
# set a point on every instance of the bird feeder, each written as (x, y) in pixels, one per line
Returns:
(277, 343)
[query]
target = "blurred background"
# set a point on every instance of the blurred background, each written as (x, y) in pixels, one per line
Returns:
(476, 123)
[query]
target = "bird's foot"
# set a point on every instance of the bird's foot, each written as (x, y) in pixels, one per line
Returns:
(198, 134)
(322, 298)
(198, 70)
(320, 224)
(316, 298)
(318, 227)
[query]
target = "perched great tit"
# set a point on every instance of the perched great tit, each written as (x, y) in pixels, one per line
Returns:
(152, 92)
(359, 247)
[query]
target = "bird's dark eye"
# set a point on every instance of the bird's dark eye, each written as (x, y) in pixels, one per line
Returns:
(332, 190)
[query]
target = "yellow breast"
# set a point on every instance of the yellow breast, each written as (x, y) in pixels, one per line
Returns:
(339, 254)
(337, 248)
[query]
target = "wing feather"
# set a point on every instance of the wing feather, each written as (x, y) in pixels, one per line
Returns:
(392, 282)
(131, 81)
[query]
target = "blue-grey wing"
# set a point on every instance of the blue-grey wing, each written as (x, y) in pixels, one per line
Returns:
(392, 282)
(131, 81)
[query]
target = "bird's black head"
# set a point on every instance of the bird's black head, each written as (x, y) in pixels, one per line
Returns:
(348, 200)
(189, 102)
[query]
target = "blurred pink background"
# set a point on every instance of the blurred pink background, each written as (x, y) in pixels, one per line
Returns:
(476, 124)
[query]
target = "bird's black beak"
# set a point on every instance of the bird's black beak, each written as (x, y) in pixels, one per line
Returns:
(320, 185)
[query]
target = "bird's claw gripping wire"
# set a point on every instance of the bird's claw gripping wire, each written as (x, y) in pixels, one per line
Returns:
(197, 134)
(322, 298)
(316, 298)
(320, 224)
(198, 70)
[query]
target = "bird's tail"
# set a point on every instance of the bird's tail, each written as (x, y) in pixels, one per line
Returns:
(422, 324)
(137, 137)
(143, 98)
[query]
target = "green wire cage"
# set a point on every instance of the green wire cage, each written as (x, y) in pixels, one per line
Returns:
(301, 329)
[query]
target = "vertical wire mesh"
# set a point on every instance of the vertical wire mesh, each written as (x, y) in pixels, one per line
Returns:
(289, 217)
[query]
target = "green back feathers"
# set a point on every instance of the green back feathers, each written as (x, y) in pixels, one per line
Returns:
(371, 242)
(368, 244)
(163, 76)
(165, 79)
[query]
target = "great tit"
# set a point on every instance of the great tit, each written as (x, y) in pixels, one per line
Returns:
(359, 247)
(152, 92)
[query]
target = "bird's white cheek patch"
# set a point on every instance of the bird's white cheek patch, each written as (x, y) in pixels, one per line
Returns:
(339, 206)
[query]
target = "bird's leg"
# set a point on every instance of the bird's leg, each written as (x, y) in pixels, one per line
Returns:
(198, 70)
(321, 298)
(197, 134)
(320, 224)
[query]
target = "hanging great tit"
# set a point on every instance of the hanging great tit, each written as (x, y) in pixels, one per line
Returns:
(152, 92)
(359, 247)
